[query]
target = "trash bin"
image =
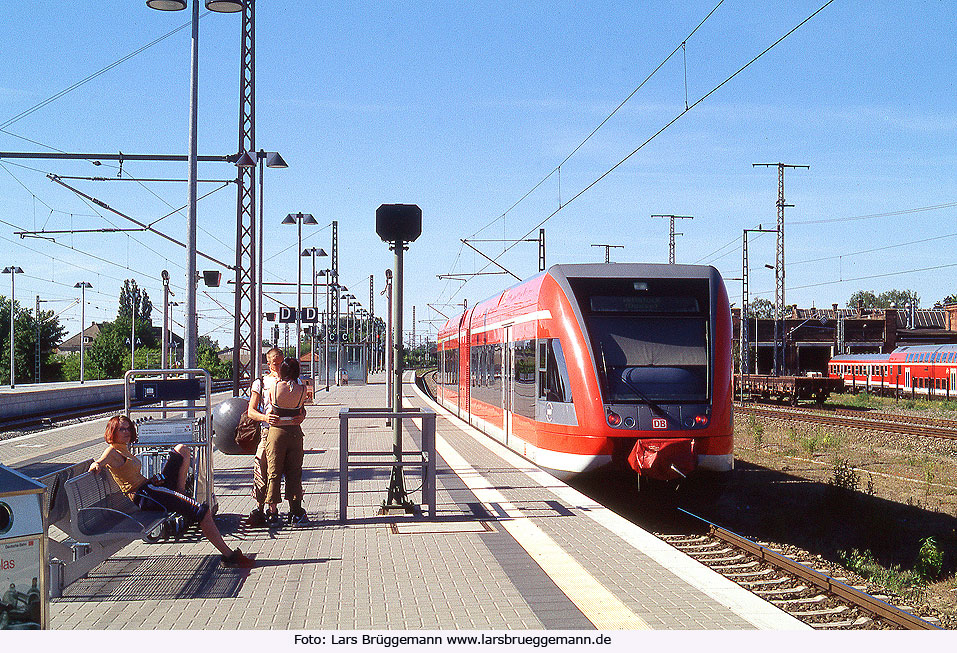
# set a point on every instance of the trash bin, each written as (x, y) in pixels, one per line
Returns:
(23, 560)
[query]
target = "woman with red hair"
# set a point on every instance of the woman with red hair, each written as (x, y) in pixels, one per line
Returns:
(165, 489)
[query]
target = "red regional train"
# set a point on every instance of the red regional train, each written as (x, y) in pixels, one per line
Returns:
(920, 371)
(586, 365)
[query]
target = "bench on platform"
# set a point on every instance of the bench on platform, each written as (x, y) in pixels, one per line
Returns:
(100, 512)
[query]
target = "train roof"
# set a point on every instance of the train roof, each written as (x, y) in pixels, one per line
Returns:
(618, 270)
(860, 357)
(906, 349)
(562, 272)
(922, 349)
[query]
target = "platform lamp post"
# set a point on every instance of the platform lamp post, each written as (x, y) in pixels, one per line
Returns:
(313, 252)
(327, 274)
(12, 270)
(83, 285)
(221, 6)
(398, 225)
(337, 302)
(249, 160)
(345, 332)
(298, 219)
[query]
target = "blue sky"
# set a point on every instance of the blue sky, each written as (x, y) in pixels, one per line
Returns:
(463, 108)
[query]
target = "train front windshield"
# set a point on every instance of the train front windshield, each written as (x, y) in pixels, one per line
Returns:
(650, 339)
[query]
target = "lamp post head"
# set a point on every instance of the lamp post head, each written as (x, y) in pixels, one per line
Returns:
(314, 251)
(225, 6)
(13, 269)
(220, 6)
(305, 218)
(246, 160)
(275, 160)
(83, 284)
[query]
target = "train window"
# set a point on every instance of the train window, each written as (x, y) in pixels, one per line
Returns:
(473, 366)
(651, 358)
(553, 384)
(524, 372)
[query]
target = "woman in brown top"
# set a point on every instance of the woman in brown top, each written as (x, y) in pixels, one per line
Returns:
(165, 490)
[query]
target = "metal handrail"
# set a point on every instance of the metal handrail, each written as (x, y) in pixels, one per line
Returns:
(425, 457)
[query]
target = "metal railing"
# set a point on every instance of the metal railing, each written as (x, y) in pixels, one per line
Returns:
(424, 458)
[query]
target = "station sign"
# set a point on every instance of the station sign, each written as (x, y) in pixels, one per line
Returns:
(310, 314)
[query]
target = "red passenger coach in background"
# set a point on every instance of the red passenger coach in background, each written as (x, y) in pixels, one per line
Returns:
(587, 365)
(927, 371)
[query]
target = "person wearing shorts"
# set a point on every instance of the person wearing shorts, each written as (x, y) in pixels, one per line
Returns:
(165, 490)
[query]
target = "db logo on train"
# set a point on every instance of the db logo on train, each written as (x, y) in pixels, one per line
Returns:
(659, 423)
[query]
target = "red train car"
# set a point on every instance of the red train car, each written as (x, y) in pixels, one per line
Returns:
(586, 365)
(922, 371)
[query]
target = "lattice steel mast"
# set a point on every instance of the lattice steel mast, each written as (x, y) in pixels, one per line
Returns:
(247, 332)
(779, 265)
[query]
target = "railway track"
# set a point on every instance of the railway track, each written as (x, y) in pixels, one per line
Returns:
(824, 602)
(886, 422)
(799, 587)
(17, 426)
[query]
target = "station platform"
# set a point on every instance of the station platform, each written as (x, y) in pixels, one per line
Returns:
(510, 548)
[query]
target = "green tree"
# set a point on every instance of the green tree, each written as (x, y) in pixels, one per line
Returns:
(761, 308)
(132, 297)
(25, 342)
(70, 367)
(208, 359)
(949, 299)
(866, 298)
(897, 298)
(109, 351)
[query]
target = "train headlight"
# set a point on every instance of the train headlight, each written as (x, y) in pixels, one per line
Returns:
(701, 420)
(614, 419)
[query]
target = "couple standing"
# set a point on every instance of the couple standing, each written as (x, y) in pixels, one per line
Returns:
(282, 397)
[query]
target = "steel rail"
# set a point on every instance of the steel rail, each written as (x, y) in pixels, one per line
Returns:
(867, 602)
(918, 429)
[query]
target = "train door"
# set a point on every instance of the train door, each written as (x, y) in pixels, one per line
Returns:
(907, 379)
(467, 373)
(508, 383)
(953, 382)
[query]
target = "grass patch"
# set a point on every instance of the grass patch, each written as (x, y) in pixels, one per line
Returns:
(867, 400)
(897, 580)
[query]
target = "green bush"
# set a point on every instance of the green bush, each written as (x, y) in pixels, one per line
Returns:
(930, 560)
(893, 578)
(844, 477)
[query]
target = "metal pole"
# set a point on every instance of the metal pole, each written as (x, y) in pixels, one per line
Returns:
(326, 329)
(191, 330)
(744, 343)
(298, 283)
(83, 286)
(38, 341)
(257, 326)
(132, 332)
(397, 496)
(13, 294)
(163, 360)
(312, 351)
(389, 358)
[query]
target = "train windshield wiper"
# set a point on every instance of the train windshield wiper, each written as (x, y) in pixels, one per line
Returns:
(645, 398)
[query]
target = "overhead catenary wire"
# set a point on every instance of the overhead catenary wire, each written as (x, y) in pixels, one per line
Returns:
(557, 169)
(660, 131)
(56, 96)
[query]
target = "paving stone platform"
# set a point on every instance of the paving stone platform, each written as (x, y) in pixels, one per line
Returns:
(511, 548)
